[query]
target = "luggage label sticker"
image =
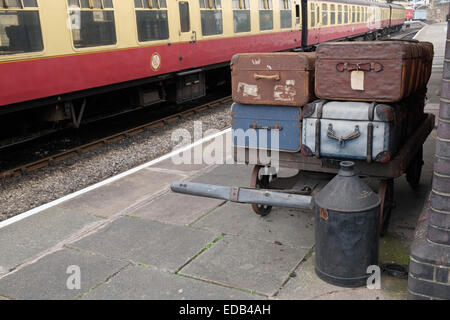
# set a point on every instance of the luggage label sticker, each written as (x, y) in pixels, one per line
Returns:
(285, 93)
(248, 90)
(357, 80)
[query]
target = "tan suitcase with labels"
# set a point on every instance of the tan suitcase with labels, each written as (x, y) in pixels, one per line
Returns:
(283, 79)
(381, 71)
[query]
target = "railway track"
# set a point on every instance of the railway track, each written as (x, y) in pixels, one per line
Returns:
(58, 157)
(407, 35)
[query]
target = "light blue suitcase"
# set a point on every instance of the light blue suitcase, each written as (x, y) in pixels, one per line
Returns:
(353, 130)
(267, 127)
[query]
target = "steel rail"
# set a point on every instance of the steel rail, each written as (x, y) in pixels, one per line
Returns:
(42, 163)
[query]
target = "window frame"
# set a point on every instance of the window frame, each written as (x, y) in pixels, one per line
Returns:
(94, 48)
(345, 11)
(339, 16)
(312, 12)
(243, 7)
(43, 35)
(332, 14)
(156, 9)
(213, 5)
(324, 12)
(286, 3)
(268, 6)
(179, 17)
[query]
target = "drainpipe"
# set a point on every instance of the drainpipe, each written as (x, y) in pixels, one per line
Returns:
(429, 267)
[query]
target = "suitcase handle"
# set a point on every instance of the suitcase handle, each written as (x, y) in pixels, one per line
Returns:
(255, 126)
(342, 140)
(369, 66)
(275, 77)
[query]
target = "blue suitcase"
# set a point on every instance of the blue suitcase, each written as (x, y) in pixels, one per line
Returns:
(267, 127)
(353, 130)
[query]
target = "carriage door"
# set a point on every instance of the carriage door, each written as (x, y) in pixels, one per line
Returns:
(190, 84)
(187, 33)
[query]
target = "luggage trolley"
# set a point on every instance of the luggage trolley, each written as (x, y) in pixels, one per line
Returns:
(409, 161)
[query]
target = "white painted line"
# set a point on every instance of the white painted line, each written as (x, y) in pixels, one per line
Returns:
(36, 210)
(417, 34)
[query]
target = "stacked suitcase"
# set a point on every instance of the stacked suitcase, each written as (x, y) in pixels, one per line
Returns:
(268, 91)
(370, 98)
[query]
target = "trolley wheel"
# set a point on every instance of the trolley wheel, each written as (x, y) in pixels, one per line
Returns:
(260, 181)
(415, 169)
(386, 193)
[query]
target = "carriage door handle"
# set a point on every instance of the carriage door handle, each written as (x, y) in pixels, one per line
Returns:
(342, 140)
(194, 36)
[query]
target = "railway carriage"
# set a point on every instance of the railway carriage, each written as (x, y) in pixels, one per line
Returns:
(57, 56)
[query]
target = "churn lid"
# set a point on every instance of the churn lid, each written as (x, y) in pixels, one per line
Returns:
(347, 192)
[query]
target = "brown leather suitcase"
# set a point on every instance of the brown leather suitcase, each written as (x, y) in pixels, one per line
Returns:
(429, 55)
(381, 71)
(283, 78)
(415, 105)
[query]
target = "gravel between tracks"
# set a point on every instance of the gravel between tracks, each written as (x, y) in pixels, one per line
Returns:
(23, 193)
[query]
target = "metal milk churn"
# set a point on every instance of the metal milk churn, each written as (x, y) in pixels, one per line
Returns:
(346, 229)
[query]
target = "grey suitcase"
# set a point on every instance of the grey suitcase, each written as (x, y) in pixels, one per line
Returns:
(353, 130)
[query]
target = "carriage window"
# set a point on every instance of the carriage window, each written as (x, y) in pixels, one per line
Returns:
(339, 14)
(324, 14)
(365, 14)
(313, 14)
(151, 19)
(92, 23)
(20, 27)
(332, 14)
(241, 16)
(211, 15)
(285, 14)
(353, 14)
(265, 15)
(345, 14)
(185, 21)
(318, 14)
(359, 14)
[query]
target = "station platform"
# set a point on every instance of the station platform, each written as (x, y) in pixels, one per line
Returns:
(130, 237)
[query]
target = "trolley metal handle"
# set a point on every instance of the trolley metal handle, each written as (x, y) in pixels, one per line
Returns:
(275, 77)
(342, 140)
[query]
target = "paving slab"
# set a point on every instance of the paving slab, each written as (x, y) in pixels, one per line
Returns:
(409, 202)
(198, 158)
(287, 226)
(307, 286)
(185, 168)
(141, 283)
(246, 264)
(228, 175)
(152, 243)
(435, 33)
(25, 239)
(48, 277)
(176, 208)
(117, 196)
